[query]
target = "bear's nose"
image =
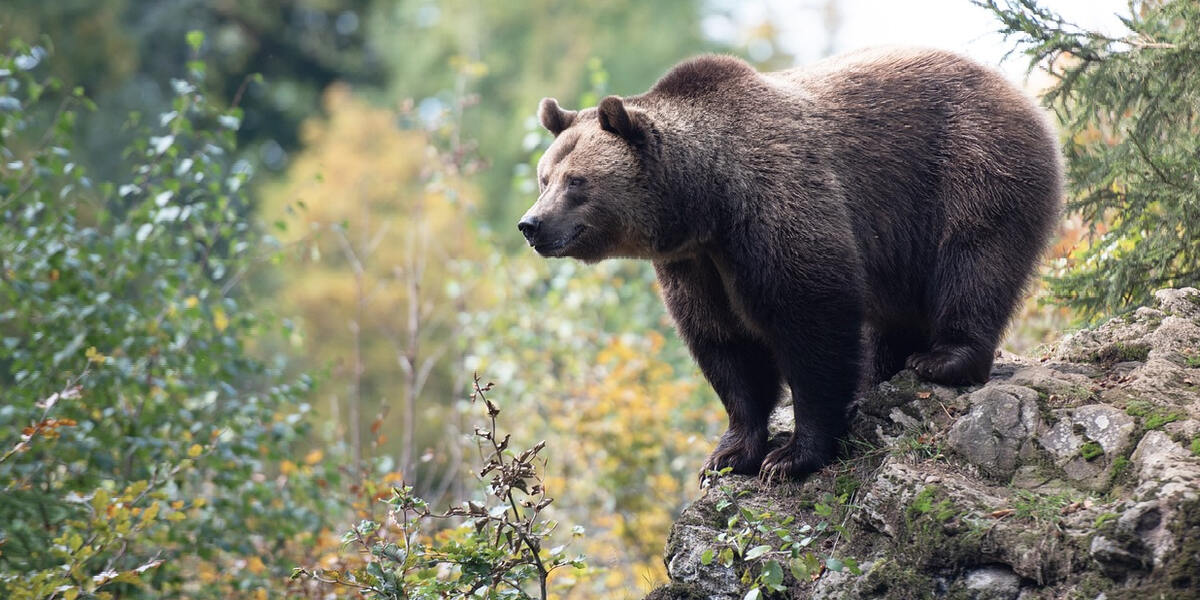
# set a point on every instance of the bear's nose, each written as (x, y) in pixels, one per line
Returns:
(529, 227)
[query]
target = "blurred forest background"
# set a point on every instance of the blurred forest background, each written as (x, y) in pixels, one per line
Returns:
(255, 251)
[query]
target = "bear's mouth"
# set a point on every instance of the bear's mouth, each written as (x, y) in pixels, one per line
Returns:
(556, 247)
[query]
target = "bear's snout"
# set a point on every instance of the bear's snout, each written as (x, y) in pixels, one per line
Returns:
(529, 226)
(550, 238)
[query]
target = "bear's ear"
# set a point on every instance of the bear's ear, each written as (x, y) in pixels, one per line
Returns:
(553, 117)
(628, 123)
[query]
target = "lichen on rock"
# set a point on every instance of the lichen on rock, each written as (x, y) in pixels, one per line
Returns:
(1072, 475)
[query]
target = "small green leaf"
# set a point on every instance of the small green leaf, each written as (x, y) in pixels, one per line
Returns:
(753, 594)
(798, 570)
(772, 574)
(757, 551)
(195, 39)
(852, 566)
(706, 557)
(834, 564)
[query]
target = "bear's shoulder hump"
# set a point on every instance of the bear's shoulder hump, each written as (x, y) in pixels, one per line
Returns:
(702, 74)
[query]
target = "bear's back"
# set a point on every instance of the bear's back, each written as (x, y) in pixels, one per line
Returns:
(899, 122)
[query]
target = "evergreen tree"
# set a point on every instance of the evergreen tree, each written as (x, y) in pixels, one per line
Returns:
(1130, 111)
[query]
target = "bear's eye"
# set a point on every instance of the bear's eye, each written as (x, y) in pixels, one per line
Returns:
(545, 181)
(575, 182)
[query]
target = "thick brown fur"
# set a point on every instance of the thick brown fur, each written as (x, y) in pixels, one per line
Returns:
(815, 227)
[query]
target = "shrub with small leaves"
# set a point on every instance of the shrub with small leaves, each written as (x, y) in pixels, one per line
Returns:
(492, 547)
(763, 543)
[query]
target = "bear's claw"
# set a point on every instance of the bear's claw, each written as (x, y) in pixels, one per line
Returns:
(790, 461)
(953, 366)
(742, 453)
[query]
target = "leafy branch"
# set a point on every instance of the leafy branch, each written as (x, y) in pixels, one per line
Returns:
(1127, 105)
(763, 543)
(493, 548)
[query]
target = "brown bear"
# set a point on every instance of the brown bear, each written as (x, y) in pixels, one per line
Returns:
(817, 227)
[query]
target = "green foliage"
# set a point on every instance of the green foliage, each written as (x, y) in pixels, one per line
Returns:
(927, 503)
(1160, 418)
(1128, 107)
(761, 542)
(1040, 507)
(137, 428)
(1151, 416)
(1138, 408)
(1121, 352)
(1105, 518)
(1091, 450)
(496, 551)
(919, 444)
(123, 52)
(1120, 469)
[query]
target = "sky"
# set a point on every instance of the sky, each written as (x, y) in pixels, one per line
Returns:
(955, 25)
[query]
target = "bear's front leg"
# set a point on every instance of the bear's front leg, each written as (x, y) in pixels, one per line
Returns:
(820, 350)
(741, 369)
(744, 376)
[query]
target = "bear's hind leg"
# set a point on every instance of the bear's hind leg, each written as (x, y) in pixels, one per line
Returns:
(890, 346)
(977, 286)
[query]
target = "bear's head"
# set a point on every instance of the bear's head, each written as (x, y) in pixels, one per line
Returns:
(597, 200)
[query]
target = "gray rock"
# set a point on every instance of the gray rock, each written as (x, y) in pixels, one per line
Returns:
(714, 580)
(1174, 335)
(836, 586)
(923, 521)
(1159, 380)
(1164, 468)
(993, 582)
(1002, 420)
(1185, 429)
(1073, 439)
(1184, 302)
(1062, 387)
(1115, 559)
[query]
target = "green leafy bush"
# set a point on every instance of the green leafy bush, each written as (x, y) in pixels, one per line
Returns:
(761, 543)
(493, 548)
(138, 432)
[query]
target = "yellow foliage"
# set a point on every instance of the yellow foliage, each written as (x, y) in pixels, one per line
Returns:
(630, 446)
(150, 513)
(376, 213)
(255, 565)
(220, 320)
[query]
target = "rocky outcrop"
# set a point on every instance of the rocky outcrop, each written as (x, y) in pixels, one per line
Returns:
(1075, 474)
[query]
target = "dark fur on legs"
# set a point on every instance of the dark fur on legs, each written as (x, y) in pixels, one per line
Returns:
(741, 370)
